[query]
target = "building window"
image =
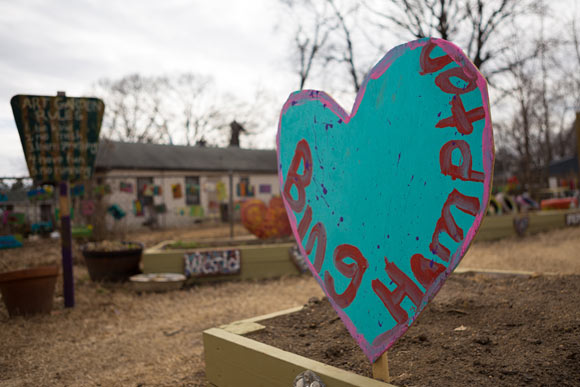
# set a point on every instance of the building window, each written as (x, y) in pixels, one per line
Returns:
(192, 197)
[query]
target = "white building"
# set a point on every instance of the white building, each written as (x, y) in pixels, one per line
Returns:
(181, 185)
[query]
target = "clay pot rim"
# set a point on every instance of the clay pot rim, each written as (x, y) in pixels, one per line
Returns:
(124, 251)
(35, 272)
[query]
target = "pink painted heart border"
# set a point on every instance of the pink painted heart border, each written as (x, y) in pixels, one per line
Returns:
(385, 340)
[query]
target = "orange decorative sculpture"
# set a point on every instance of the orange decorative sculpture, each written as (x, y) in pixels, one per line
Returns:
(266, 222)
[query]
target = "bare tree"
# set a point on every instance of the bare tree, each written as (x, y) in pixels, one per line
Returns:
(479, 26)
(420, 18)
(133, 108)
(531, 92)
(183, 108)
(313, 24)
(325, 36)
(192, 103)
(347, 52)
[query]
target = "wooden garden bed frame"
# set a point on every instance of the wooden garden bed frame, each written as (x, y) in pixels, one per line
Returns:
(233, 360)
(496, 227)
(261, 261)
(257, 261)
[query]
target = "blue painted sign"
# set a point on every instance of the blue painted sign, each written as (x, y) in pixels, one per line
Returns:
(384, 201)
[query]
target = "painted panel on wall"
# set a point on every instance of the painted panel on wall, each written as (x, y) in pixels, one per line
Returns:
(176, 190)
(126, 187)
(265, 188)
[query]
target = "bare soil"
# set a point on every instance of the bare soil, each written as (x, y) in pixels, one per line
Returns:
(480, 330)
(116, 337)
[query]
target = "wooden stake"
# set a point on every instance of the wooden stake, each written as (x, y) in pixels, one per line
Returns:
(231, 205)
(381, 368)
(577, 124)
(66, 242)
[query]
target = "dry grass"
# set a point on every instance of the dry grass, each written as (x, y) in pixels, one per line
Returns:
(557, 252)
(115, 337)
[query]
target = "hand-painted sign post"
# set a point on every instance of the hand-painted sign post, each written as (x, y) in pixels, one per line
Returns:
(59, 136)
(385, 201)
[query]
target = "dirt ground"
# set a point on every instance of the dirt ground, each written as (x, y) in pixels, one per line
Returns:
(114, 336)
(480, 330)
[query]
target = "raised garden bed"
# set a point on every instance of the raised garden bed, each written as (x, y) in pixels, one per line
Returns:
(231, 359)
(502, 226)
(481, 329)
(258, 260)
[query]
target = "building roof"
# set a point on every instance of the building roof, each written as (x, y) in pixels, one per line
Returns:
(122, 155)
(564, 167)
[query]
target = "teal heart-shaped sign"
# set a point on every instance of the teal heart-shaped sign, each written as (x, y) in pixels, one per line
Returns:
(385, 201)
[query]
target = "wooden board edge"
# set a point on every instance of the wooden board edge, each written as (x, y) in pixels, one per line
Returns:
(461, 270)
(217, 342)
(272, 315)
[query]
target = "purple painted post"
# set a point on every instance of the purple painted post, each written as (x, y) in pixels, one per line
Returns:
(66, 241)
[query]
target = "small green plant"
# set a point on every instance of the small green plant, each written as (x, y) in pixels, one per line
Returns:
(183, 245)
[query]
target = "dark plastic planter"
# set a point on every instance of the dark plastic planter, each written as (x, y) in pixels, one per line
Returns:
(113, 266)
(30, 291)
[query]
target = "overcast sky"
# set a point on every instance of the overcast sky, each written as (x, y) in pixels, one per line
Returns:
(69, 44)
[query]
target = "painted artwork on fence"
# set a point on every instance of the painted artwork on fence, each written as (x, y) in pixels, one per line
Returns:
(212, 263)
(41, 193)
(265, 222)
(102, 190)
(9, 242)
(384, 201)
(59, 135)
(77, 190)
(14, 218)
(88, 207)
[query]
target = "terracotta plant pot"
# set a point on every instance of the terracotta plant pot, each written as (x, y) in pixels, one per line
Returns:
(30, 291)
(113, 266)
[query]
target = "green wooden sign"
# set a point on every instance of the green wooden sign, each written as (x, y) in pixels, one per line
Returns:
(59, 135)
